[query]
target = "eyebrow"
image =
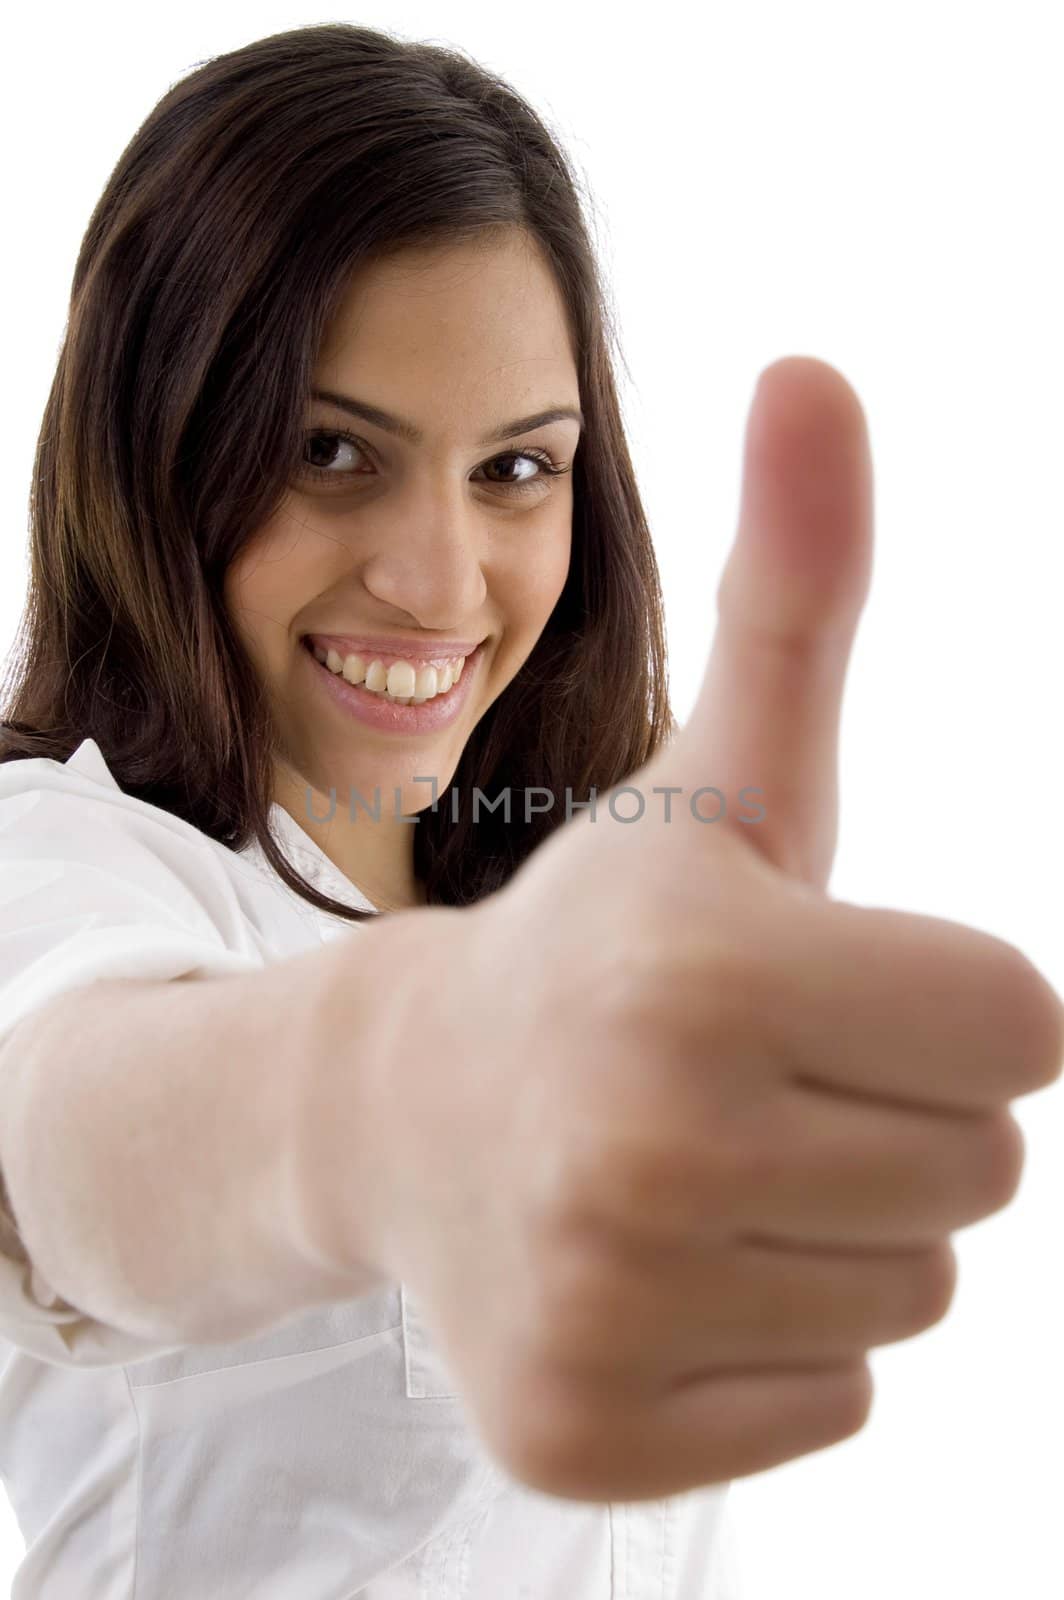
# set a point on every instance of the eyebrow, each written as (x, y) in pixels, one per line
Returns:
(413, 435)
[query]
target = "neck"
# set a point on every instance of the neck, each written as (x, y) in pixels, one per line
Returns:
(376, 856)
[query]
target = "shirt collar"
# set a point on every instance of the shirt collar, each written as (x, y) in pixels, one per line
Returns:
(315, 865)
(88, 760)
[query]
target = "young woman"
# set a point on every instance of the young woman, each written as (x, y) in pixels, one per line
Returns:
(342, 601)
(325, 211)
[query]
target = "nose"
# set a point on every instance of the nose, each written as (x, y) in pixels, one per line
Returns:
(429, 567)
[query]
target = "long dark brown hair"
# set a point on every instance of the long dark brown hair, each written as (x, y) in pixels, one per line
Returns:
(223, 242)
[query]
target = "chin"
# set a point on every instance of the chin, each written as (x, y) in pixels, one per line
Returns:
(359, 779)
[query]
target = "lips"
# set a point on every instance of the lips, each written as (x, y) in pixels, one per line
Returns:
(391, 649)
(388, 716)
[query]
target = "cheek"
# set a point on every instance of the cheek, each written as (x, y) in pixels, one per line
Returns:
(536, 575)
(266, 583)
(248, 602)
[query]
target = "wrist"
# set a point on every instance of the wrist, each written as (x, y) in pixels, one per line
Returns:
(369, 1036)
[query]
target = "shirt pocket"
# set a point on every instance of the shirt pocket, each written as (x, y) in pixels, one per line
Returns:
(280, 1465)
(427, 1374)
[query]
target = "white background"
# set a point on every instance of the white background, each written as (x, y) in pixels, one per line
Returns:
(880, 187)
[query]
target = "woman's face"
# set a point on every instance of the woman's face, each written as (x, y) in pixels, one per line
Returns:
(447, 541)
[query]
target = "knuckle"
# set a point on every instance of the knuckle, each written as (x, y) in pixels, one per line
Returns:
(628, 1186)
(658, 1185)
(683, 984)
(731, 984)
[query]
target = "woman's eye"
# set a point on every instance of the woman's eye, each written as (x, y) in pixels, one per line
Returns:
(323, 446)
(327, 447)
(525, 458)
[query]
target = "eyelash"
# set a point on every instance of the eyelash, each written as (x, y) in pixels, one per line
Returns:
(542, 458)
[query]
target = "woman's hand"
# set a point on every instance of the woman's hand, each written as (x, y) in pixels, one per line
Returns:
(672, 1139)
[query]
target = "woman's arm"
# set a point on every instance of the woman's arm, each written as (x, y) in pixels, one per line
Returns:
(155, 1144)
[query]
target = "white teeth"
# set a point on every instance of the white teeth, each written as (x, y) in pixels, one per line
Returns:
(426, 684)
(401, 682)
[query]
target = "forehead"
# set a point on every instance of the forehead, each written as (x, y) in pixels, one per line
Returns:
(486, 312)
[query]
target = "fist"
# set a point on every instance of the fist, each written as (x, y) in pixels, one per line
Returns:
(694, 1136)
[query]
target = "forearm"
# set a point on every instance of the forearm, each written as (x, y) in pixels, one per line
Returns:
(157, 1147)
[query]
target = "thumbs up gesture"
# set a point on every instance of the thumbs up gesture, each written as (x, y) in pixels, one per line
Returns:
(693, 1136)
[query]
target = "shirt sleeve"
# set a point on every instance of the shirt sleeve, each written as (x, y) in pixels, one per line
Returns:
(95, 885)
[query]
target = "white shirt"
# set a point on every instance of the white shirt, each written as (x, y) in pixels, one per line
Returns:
(327, 1458)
